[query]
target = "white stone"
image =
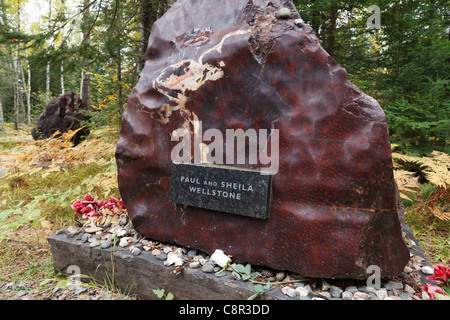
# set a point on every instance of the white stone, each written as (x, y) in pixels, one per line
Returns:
(284, 13)
(174, 257)
(427, 270)
(194, 265)
(325, 294)
(302, 292)
(347, 295)
(284, 290)
(408, 289)
(360, 296)
(381, 294)
(425, 295)
(219, 258)
(124, 242)
(166, 250)
(121, 233)
(325, 286)
(292, 292)
(136, 251)
(299, 22)
(351, 289)
(94, 243)
(73, 230)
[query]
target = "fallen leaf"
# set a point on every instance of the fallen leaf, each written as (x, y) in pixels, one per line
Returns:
(46, 224)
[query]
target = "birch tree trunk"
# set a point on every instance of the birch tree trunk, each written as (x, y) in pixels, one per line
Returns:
(47, 86)
(63, 90)
(28, 89)
(85, 74)
(2, 119)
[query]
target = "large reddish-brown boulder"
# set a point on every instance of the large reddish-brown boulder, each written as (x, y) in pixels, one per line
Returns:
(62, 114)
(234, 64)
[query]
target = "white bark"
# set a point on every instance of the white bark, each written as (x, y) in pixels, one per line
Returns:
(2, 119)
(63, 90)
(28, 90)
(47, 86)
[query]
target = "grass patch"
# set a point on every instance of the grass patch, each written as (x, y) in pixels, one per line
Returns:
(43, 180)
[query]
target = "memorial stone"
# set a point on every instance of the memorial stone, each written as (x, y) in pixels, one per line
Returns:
(332, 204)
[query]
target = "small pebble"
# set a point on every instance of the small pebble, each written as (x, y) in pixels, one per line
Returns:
(94, 243)
(302, 292)
(360, 296)
(325, 294)
(347, 295)
(393, 285)
(124, 242)
(284, 13)
(136, 251)
(155, 252)
(194, 265)
(121, 233)
(73, 230)
(405, 296)
(425, 296)
(208, 268)
(325, 286)
(161, 257)
(166, 250)
(106, 244)
(292, 292)
(299, 22)
(335, 292)
(280, 276)
(427, 270)
(351, 289)
(382, 293)
(408, 289)
(192, 253)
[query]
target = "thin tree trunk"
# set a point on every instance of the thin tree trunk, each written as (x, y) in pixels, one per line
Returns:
(151, 10)
(2, 119)
(85, 74)
(16, 109)
(22, 105)
(86, 87)
(119, 80)
(28, 89)
(47, 87)
(63, 90)
(16, 77)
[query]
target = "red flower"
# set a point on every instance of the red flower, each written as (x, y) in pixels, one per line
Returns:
(89, 199)
(77, 206)
(441, 272)
(102, 203)
(432, 289)
(88, 211)
(91, 207)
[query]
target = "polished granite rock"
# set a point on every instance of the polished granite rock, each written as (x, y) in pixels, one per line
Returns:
(233, 64)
